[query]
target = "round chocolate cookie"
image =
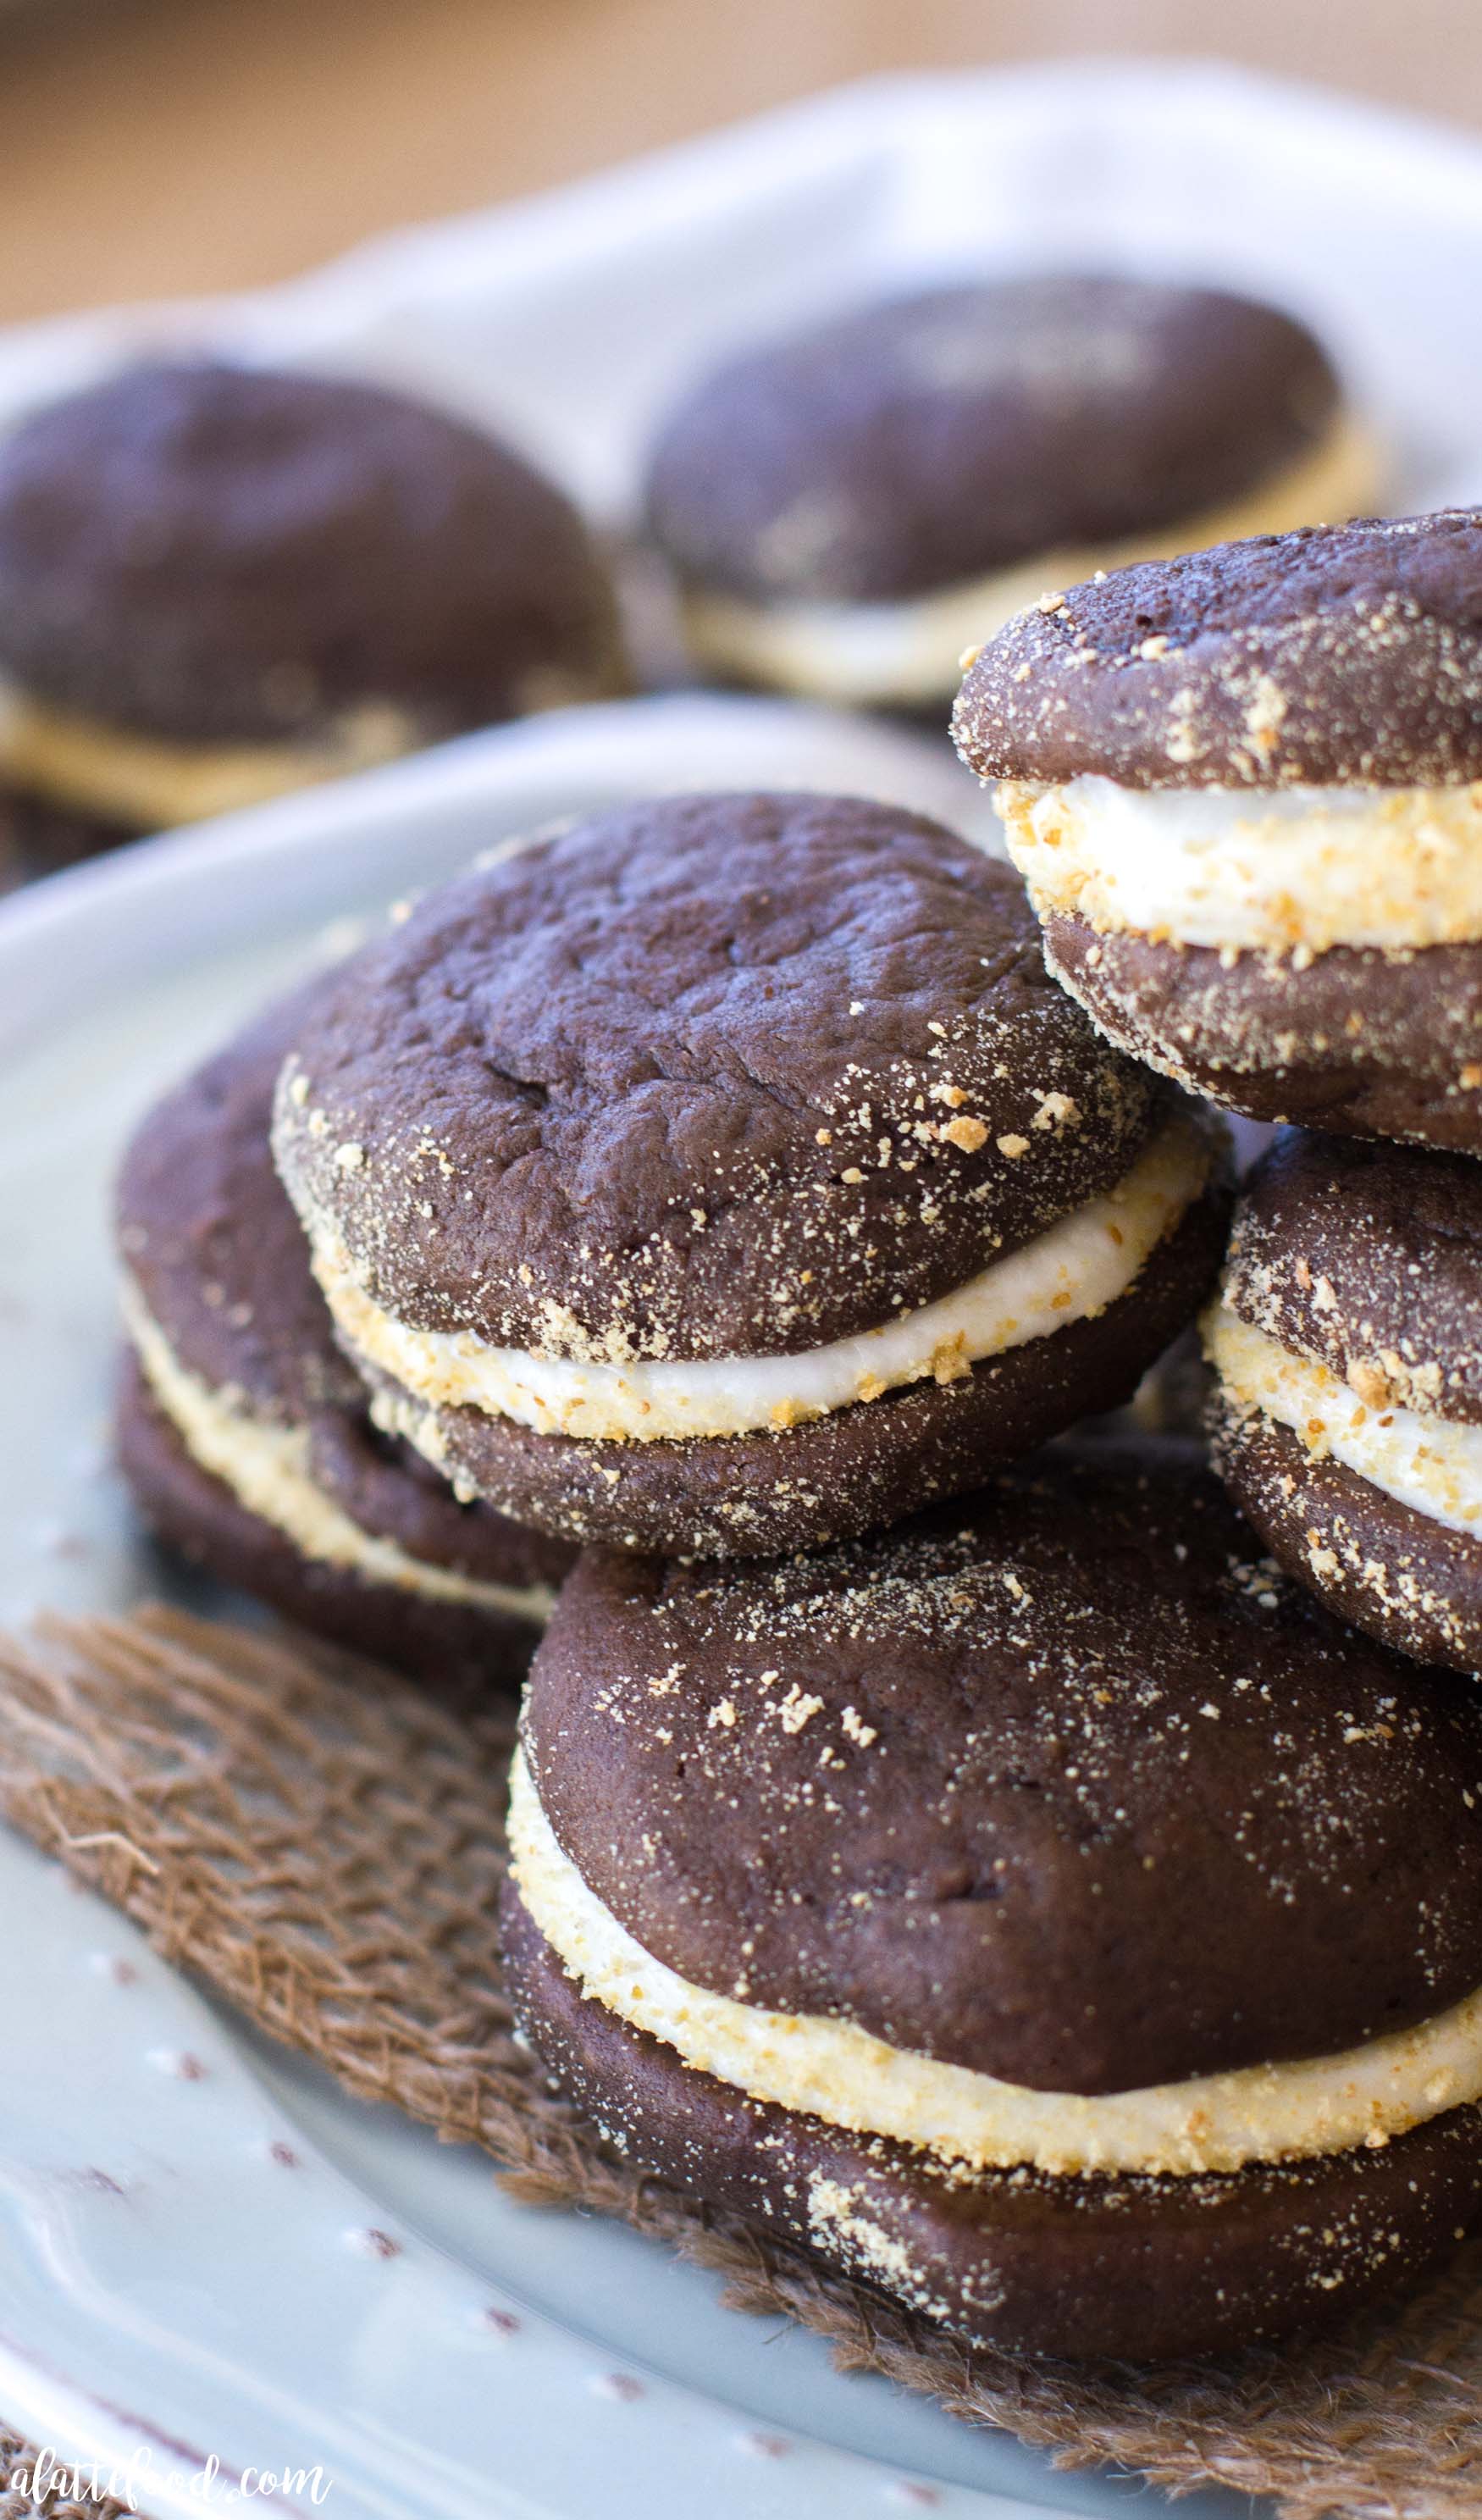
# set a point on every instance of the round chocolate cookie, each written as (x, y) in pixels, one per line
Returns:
(1245, 791)
(1347, 1343)
(725, 1175)
(1047, 1913)
(245, 1434)
(846, 509)
(219, 583)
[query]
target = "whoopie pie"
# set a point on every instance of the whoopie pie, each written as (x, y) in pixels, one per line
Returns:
(847, 507)
(244, 1435)
(1347, 1343)
(1245, 789)
(218, 583)
(1047, 1912)
(725, 1174)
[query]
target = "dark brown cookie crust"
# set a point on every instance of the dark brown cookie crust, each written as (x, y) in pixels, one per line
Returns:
(215, 1250)
(1363, 1041)
(212, 1243)
(37, 838)
(205, 553)
(461, 1648)
(1401, 1576)
(1368, 1260)
(1130, 1806)
(391, 1491)
(1130, 2269)
(1335, 654)
(933, 438)
(704, 1076)
(855, 1470)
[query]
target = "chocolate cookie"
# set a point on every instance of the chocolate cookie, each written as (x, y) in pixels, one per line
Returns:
(846, 509)
(1347, 1343)
(1245, 791)
(219, 583)
(725, 1174)
(1048, 1913)
(245, 1434)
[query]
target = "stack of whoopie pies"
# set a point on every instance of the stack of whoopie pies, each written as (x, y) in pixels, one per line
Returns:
(1023, 1884)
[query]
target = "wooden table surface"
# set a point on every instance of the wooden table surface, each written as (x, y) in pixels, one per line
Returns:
(155, 146)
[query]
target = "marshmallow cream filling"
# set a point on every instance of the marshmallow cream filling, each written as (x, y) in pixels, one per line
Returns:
(1292, 870)
(1077, 1268)
(832, 2069)
(907, 651)
(1433, 1465)
(105, 770)
(266, 1466)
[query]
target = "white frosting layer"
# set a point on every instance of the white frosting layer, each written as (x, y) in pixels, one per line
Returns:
(1269, 870)
(1077, 1268)
(835, 2070)
(126, 777)
(909, 653)
(266, 1466)
(1433, 1465)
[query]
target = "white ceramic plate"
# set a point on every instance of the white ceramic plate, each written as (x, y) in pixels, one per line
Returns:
(206, 2251)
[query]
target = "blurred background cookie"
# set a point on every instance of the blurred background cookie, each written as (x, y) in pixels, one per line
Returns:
(1243, 790)
(726, 1175)
(245, 1436)
(1348, 1347)
(1047, 1912)
(220, 583)
(846, 509)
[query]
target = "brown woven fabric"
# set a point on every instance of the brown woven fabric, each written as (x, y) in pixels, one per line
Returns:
(325, 1844)
(19, 2498)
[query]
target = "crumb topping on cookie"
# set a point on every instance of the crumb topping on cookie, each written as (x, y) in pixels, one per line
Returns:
(701, 1078)
(1132, 1808)
(1333, 655)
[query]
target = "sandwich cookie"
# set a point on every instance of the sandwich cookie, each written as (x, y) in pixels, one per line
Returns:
(244, 1435)
(1045, 1913)
(1245, 791)
(218, 584)
(1347, 1343)
(726, 1175)
(846, 508)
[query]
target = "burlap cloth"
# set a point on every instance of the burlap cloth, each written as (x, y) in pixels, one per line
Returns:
(324, 1845)
(19, 2500)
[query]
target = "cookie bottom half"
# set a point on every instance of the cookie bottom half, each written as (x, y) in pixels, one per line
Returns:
(1142, 2269)
(838, 1476)
(38, 838)
(462, 1649)
(1399, 1575)
(1365, 1042)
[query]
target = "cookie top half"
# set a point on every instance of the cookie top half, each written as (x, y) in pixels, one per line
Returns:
(932, 438)
(719, 1075)
(1366, 1258)
(204, 553)
(1335, 654)
(1064, 1784)
(211, 1245)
